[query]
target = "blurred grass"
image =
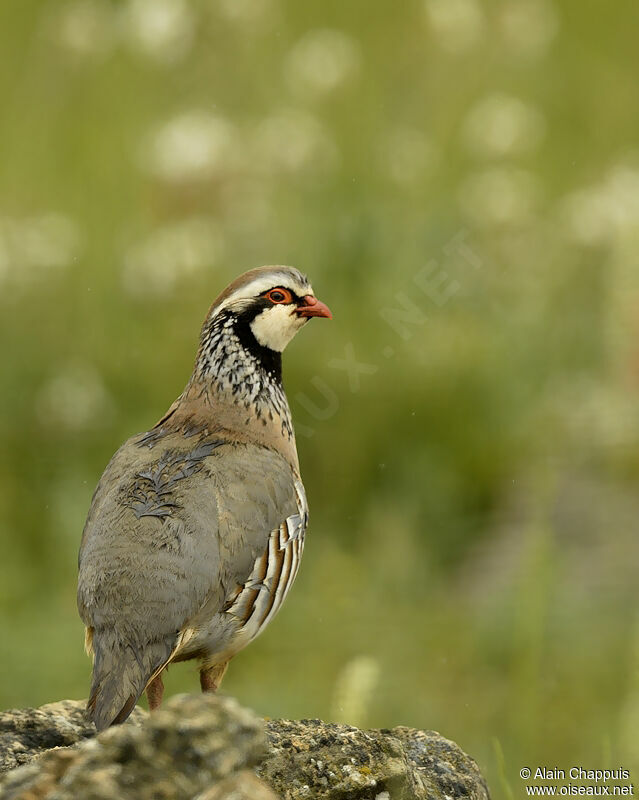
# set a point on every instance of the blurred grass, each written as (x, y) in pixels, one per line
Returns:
(474, 503)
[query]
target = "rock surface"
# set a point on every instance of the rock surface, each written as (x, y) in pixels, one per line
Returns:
(26, 733)
(209, 748)
(314, 759)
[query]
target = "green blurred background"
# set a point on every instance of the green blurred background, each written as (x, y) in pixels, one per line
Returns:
(460, 179)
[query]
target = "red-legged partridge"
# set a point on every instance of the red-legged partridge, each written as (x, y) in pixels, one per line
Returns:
(196, 528)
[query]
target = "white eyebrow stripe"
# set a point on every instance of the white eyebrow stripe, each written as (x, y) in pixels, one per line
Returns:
(263, 284)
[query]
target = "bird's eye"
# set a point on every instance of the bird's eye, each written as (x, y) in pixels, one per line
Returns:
(279, 296)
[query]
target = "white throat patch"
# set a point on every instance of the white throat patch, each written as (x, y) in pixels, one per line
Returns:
(276, 326)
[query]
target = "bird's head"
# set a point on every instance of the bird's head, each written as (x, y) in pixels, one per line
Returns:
(272, 303)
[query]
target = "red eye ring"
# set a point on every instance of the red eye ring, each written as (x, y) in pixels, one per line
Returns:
(280, 296)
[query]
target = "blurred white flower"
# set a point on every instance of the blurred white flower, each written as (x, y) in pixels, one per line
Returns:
(500, 195)
(406, 155)
(529, 26)
(458, 24)
(602, 412)
(74, 399)
(247, 11)
(193, 146)
(607, 210)
(586, 216)
(35, 246)
(85, 27)
(154, 265)
(160, 29)
(293, 141)
(500, 125)
(49, 241)
(322, 61)
(354, 689)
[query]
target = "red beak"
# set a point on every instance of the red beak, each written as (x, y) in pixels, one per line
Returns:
(312, 307)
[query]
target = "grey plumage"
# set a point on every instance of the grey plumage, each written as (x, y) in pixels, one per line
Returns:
(120, 674)
(196, 528)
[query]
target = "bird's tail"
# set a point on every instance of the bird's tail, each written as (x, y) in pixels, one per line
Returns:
(121, 672)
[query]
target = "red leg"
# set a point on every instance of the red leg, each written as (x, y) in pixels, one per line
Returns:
(211, 677)
(154, 692)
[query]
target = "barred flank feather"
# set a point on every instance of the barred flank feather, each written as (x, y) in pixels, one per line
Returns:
(120, 674)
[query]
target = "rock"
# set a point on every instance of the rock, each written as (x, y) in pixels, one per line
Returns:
(315, 759)
(210, 748)
(243, 786)
(28, 732)
(187, 747)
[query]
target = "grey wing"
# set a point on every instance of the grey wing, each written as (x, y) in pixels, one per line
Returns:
(144, 565)
(260, 596)
(171, 535)
(262, 519)
(177, 536)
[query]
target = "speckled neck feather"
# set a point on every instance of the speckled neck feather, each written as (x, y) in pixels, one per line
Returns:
(236, 367)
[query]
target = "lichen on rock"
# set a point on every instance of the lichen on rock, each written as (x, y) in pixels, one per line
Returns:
(210, 748)
(187, 747)
(315, 759)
